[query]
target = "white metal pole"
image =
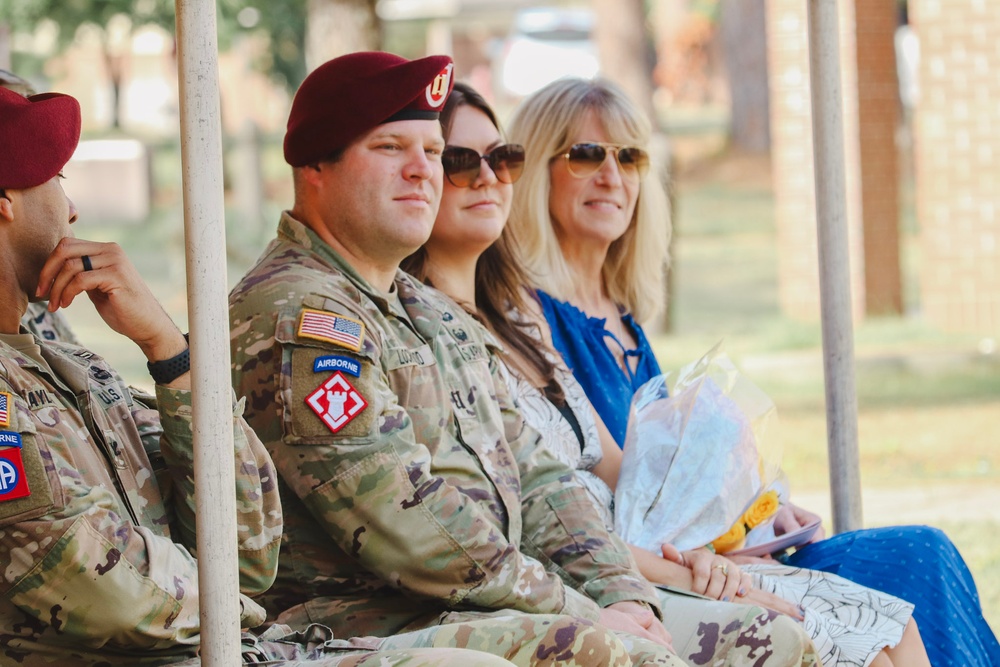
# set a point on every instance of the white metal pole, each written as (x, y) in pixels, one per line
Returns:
(834, 266)
(205, 242)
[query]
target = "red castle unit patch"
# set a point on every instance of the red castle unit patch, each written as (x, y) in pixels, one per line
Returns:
(336, 402)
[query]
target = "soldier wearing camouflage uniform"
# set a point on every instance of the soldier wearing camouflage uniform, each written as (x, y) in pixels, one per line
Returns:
(97, 521)
(414, 493)
(38, 319)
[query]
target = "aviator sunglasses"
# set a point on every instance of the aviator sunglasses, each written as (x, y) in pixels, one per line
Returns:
(585, 159)
(462, 165)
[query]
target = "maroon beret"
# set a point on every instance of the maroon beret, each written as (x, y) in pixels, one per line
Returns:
(344, 98)
(38, 135)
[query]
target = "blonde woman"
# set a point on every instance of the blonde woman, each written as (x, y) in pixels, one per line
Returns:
(592, 222)
(593, 225)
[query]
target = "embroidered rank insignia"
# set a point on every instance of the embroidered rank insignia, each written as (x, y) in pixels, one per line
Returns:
(13, 479)
(335, 363)
(336, 402)
(6, 405)
(336, 329)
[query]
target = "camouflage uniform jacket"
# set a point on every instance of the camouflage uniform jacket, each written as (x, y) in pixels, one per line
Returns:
(410, 485)
(96, 556)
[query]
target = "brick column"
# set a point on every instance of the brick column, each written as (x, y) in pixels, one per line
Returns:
(878, 120)
(792, 161)
(957, 161)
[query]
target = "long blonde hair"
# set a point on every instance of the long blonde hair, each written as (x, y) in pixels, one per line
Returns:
(633, 270)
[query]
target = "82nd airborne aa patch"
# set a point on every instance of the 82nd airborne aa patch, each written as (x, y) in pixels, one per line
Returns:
(336, 402)
(13, 478)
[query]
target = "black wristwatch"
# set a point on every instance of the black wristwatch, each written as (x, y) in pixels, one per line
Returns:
(168, 370)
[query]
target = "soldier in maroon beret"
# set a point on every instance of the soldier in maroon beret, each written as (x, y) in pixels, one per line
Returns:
(97, 511)
(38, 319)
(413, 495)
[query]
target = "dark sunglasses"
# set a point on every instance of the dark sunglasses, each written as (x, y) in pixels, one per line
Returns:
(462, 165)
(585, 159)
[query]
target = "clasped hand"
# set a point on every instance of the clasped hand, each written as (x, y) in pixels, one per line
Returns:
(635, 619)
(719, 578)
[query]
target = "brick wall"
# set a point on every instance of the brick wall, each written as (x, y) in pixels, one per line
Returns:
(878, 121)
(957, 162)
(791, 151)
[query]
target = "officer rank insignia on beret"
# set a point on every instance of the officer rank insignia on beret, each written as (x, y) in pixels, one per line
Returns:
(336, 402)
(330, 328)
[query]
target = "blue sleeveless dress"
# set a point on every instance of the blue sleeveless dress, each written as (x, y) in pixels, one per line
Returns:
(920, 565)
(582, 342)
(916, 563)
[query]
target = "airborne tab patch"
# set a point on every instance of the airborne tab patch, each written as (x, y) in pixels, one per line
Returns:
(336, 402)
(13, 479)
(335, 363)
(330, 328)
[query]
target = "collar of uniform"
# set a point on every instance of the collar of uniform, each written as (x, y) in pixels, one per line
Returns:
(12, 346)
(429, 308)
(290, 229)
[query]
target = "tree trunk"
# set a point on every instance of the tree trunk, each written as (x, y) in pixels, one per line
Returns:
(4, 46)
(743, 28)
(113, 65)
(625, 50)
(336, 27)
(627, 57)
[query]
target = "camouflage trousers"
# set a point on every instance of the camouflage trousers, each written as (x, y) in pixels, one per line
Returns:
(724, 634)
(526, 640)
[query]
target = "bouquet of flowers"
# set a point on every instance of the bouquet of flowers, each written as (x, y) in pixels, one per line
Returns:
(697, 466)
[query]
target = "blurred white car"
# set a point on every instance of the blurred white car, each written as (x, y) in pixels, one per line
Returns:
(547, 44)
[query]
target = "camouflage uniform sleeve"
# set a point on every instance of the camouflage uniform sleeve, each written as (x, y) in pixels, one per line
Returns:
(378, 498)
(79, 571)
(258, 506)
(561, 526)
(371, 485)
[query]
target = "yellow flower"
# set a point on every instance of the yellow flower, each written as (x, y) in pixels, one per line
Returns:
(734, 539)
(762, 510)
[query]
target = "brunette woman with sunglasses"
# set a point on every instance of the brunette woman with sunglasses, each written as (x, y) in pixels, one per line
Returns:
(471, 256)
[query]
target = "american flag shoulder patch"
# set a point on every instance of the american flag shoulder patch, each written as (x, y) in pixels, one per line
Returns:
(6, 405)
(336, 329)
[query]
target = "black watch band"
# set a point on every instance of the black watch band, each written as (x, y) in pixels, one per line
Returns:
(168, 370)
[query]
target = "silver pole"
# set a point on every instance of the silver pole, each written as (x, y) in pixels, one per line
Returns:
(205, 242)
(834, 266)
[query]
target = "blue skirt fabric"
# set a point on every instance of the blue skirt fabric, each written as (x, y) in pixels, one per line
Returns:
(920, 565)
